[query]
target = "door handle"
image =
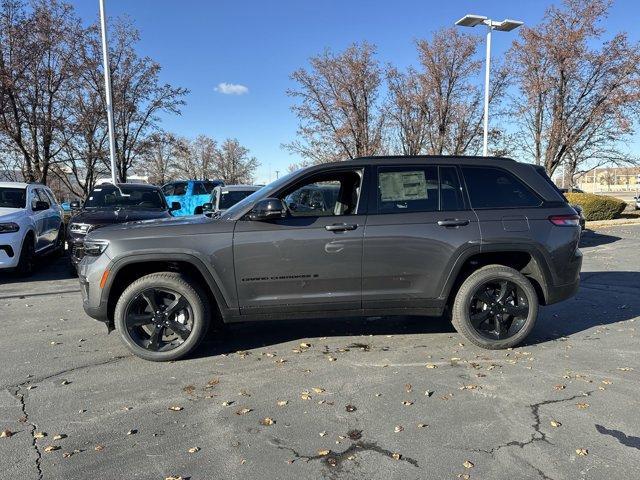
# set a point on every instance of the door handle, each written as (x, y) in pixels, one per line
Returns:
(340, 227)
(453, 222)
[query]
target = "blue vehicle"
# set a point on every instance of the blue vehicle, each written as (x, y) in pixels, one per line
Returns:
(191, 194)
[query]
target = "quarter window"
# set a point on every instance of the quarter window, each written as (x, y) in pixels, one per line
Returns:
(496, 188)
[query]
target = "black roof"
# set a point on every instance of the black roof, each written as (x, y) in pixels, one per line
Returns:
(142, 186)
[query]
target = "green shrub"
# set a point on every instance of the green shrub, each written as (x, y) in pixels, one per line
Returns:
(597, 207)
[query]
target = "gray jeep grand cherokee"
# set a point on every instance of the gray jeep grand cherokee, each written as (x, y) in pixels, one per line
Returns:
(485, 240)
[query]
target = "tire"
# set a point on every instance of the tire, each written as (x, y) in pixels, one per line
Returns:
(58, 250)
(466, 301)
(196, 306)
(27, 256)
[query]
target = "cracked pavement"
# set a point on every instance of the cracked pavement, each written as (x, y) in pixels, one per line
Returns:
(62, 374)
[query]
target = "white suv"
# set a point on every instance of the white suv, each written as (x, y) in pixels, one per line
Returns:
(31, 223)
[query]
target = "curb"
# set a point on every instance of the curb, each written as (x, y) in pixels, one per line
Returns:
(619, 222)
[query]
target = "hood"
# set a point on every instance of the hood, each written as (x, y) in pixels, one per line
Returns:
(122, 215)
(165, 227)
(10, 214)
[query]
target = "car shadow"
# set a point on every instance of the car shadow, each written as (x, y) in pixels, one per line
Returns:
(554, 322)
(46, 268)
(591, 238)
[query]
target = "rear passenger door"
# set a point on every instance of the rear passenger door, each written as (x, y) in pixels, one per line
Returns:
(420, 224)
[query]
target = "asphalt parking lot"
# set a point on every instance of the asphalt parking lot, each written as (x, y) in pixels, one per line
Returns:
(381, 398)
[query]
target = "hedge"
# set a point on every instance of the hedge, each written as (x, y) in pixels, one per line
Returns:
(597, 207)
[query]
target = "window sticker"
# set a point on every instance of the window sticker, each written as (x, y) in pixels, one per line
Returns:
(403, 186)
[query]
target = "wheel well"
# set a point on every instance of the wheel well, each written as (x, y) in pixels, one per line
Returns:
(131, 272)
(522, 261)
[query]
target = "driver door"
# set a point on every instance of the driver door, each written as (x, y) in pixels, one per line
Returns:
(310, 261)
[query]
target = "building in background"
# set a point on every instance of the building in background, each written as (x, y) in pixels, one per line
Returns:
(609, 179)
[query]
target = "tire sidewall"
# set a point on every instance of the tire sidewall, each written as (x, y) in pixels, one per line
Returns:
(26, 261)
(173, 283)
(461, 305)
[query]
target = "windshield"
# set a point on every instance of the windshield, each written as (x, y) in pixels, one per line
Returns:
(229, 198)
(125, 197)
(11, 197)
(258, 193)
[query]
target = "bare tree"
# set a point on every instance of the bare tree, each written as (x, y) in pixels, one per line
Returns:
(197, 158)
(578, 95)
(163, 156)
(338, 111)
(138, 95)
(234, 164)
(441, 104)
(37, 69)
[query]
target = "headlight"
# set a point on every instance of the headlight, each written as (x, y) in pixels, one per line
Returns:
(95, 248)
(81, 228)
(9, 227)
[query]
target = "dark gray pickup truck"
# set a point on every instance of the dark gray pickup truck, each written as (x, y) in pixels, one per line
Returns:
(484, 240)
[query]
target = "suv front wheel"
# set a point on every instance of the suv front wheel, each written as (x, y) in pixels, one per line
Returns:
(496, 307)
(162, 316)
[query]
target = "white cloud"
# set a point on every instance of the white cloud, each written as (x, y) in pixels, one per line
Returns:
(231, 89)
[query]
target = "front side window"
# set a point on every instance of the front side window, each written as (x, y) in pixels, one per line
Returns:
(325, 195)
(11, 197)
(491, 187)
(198, 189)
(176, 188)
(231, 197)
(407, 189)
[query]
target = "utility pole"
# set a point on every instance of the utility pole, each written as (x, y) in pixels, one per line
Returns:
(107, 90)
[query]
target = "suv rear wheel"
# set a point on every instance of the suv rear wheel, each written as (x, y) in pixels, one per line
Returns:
(496, 307)
(162, 316)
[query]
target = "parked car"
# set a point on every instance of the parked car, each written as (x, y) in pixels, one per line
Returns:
(488, 240)
(226, 196)
(108, 204)
(30, 225)
(191, 194)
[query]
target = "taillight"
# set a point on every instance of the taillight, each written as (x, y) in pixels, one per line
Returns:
(565, 220)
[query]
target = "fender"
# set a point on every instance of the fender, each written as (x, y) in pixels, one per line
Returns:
(543, 275)
(211, 278)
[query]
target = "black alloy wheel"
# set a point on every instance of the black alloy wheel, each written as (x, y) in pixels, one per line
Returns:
(159, 319)
(498, 309)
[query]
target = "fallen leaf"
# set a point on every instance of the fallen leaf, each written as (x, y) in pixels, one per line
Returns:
(396, 456)
(625, 369)
(350, 408)
(173, 477)
(583, 452)
(318, 389)
(322, 434)
(65, 382)
(422, 425)
(398, 428)
(559, 387)
(194, 449)
(464, 476)
(469, 387)
(324, 453)
(582, 405)
(408, 388)
(227, 403)
(468, 464)
(282, 403)
(132, 432)
(242, 411)
(305, 345)
(607, 382)
(267, 421)
(305, 396)
(6, 433)
(555, 423)
(407, 403)
(176, 408)
(98, 448)
(428, 393)
(59, 436)
(39, 435)
(431, 365)
(51, 448)
(332, 359)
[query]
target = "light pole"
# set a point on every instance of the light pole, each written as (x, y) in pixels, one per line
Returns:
(503, 26)
(107, 91)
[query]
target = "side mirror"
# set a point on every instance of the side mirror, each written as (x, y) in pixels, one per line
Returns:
(75, 205)
(40, 205)
(207, 207)
(268, 209)
(175, 206)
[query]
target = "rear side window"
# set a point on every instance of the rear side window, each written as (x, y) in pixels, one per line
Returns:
(408, 189)
(198, 189)
(491, 187)
(450, 191)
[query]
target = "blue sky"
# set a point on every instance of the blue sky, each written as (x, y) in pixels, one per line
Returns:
(257, 44)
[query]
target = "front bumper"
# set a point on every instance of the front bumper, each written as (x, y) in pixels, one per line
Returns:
(10, 245)
(90, 271)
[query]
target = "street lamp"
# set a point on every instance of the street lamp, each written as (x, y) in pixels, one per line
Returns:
(503, 26)
(107, 92)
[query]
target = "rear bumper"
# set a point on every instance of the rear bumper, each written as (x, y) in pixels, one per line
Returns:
(558, 293)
